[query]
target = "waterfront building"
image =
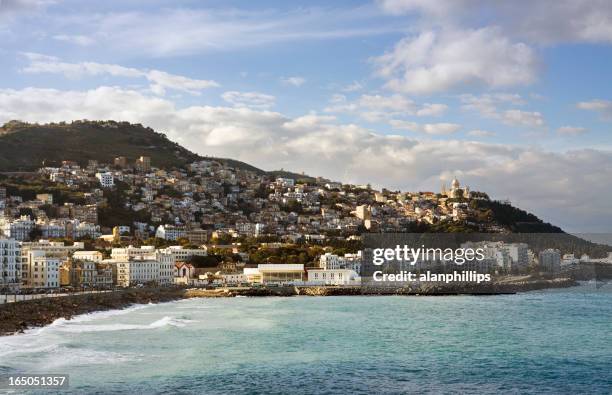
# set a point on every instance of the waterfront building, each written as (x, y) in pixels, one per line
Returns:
(333, 277)
(329, 261)
(232, 278)
(10, 259)
(143, 270)
(184, 270)
(142, 265)
(39, 270)
(91, 274)
(550, 260)
(275, 273)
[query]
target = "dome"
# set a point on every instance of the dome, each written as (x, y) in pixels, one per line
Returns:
(455, 183)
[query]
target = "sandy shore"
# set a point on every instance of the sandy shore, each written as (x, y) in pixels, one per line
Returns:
(16, 317)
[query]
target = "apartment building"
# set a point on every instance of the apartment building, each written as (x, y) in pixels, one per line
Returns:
(106, 179)
(18, 229)
(9, 264)
(333, 277)
(39, 270)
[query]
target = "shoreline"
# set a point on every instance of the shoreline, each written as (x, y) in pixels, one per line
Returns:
(17, 317)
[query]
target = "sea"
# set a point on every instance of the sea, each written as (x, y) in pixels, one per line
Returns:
(556, 341)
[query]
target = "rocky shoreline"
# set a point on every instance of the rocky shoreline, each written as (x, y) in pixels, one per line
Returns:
(17, 317)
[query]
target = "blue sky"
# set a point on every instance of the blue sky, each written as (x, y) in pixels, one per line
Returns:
(512, 98)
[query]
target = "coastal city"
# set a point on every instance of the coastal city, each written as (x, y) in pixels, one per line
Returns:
(131, 224)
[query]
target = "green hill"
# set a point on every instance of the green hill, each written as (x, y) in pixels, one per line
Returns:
(26, 147)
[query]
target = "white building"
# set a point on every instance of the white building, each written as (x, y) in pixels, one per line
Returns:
(51, 229)
(275, 273)
(85, 229)
(170, 232)
(142, 265)
(181, 254)
(55, 248)
(333, 277)
(143, 270)
(18, 229)
(130, 252)
(9, 264)
(569, 260)
(285, 182)
(329, 261)
(89, 256)
(106, 179)
(232, 278)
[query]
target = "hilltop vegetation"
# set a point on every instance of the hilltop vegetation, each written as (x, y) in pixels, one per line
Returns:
(29, 146)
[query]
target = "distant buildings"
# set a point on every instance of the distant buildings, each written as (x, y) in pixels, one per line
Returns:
(121, 161)
(550, 260)
(329, 261)
(275, 273)
(333, 277)
(181, 254)
(170, 232)
(106, 179)
(18, 229)
(143, 164)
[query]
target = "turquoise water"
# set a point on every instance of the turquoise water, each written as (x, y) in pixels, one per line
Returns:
(554, 341)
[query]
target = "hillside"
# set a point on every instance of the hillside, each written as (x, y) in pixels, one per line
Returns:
(25, 147)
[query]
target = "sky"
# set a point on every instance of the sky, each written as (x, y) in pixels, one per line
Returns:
(512, 98)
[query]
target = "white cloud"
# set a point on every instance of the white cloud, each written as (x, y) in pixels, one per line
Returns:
(184, 30)
(249, 99)
(353, 87)
(8, 7)
(536, 180)
(493, 106)
(571, 130)
(432, 110)
(480, 133)
(438, 61)
(442, 128)
(523, 118)
(159, 80)
(487, 104)
(77, 39)
(375, 108)
(603, 107)
(542, 21)
(295, 81)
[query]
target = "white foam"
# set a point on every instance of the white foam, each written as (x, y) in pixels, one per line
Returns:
(105, 314)
(163, 322)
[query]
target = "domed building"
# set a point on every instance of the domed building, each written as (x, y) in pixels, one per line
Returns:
(456, 191)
